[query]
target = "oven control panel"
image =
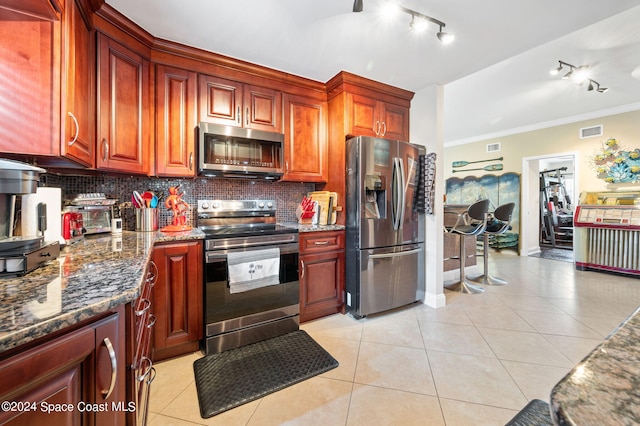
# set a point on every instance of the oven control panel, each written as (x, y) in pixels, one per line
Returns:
(232, 207)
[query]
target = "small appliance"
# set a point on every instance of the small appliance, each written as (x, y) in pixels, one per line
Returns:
(95, 209)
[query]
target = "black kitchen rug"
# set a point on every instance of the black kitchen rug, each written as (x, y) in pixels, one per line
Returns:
(237, 376)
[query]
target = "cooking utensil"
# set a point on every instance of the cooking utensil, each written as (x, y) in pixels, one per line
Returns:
(138, 200)
(154, 202)
(147, 196)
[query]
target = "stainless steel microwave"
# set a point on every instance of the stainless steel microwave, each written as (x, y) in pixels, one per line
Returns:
(227, 151)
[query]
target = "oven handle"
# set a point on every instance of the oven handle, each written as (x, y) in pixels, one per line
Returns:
(221, 255)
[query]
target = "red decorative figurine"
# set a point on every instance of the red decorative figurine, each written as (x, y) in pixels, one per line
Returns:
(179, 207)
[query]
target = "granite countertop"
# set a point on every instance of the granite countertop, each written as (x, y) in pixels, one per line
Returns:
(313, 228)
(89, 277)
(604, 388)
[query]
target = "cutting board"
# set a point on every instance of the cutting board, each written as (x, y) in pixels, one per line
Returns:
(327, 201)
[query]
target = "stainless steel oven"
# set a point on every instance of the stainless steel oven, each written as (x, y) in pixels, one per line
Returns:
(237, 318)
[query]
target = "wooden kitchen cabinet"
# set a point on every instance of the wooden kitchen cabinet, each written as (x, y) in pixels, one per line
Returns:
(371, 117)
(321, 274)
(123, 141)
(232, 103)
(78, 118)
(361, 107)
(305, 139)
(177, 299)
(41, 9)
(176, 121)
(84, 368)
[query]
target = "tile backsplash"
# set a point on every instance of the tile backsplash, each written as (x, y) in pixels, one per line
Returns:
(286, 194)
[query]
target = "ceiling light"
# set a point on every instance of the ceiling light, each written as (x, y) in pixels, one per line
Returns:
(357, 6)
(419, 21)
(445, 38)
(578, 74)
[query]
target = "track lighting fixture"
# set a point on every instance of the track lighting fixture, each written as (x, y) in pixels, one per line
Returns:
(418, 22)
(578, 74)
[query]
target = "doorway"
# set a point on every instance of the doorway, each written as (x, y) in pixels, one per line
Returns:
(541, 178)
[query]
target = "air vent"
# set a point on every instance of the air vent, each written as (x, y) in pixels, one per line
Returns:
(591, 132)
(493, 147)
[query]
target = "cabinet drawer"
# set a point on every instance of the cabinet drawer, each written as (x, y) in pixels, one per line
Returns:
(313, 242)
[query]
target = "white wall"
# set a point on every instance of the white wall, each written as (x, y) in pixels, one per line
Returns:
(427, 129)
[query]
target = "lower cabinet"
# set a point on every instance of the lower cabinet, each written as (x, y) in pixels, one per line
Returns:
(77, 378)
(321, 274)
(177, 299)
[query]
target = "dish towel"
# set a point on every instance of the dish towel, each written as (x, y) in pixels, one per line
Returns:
(253, 269)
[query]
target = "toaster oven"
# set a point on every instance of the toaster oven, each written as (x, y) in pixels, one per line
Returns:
(96, 211)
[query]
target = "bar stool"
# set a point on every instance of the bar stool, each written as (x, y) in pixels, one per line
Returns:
(477, 222)
(500, 225)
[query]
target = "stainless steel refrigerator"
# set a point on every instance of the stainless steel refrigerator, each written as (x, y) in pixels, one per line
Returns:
(384, 233)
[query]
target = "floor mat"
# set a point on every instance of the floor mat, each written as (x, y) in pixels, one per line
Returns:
(555, 254)
(235, 377)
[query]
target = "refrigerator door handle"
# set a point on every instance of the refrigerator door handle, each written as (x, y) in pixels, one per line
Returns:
(402, 191)
(402, 253)
(396, 194)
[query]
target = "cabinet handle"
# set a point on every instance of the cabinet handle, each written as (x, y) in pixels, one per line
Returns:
(246, 117)
(376, 130)
(152, 274)
(191, 161)
(152, 321)
(147, 306)
(238, 119)
(105, 151)
(384, 128)
(114, 368)
(302, 267)
(321, 243)
(75, 138)
(286, 166)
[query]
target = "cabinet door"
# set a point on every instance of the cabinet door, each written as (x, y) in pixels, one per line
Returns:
(321, 285)
(78, 138)
(29, 85)
(110, 370)
(177, 299)
(395, 121)
(176, 123)
(305, 138)
(56, 372)
(220, 101)
(123, 109)
(262, 108)
(363, 117)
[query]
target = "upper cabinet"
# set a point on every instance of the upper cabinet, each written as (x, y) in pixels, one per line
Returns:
(236, 104)
(78, 113)
(41, 9)
(305, 137)
(123, 109)
(371, 117)
(176, 121)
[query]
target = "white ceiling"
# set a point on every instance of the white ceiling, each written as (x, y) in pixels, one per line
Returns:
(495, 74)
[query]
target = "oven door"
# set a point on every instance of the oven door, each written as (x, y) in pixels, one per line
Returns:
(236, 319)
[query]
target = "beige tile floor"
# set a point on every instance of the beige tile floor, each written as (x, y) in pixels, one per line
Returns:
(476, 361)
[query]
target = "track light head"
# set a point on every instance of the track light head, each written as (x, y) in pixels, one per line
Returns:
(445, 38)
(556, 71)
(602, 89)
(357, 6)
(590, 88)
(568, 75)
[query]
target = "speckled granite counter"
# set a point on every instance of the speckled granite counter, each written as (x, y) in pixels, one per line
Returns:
(89, 277)
(604, 388)
(313, 228)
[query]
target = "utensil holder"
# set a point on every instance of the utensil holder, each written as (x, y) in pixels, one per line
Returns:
(146, 220)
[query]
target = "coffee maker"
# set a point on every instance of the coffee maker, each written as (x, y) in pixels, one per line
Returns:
(21, 254)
